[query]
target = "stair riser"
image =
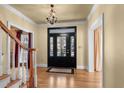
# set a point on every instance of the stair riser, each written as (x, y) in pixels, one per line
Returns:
(4, 82)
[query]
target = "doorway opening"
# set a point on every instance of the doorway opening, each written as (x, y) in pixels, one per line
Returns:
(62, 48)
(26, 39)
(19, 63)
(98, 49)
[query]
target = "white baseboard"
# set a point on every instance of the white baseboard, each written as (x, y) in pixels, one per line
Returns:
(78, 66)
(81, 67)
(90, 70)
(41, 65)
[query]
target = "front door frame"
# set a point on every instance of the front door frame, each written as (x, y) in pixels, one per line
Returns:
(63, 28)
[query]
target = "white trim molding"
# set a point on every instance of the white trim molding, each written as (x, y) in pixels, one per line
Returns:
(18, 13)
(18, 26)
(97, 23)
(92, 10)
(22, 28)
(81, 67)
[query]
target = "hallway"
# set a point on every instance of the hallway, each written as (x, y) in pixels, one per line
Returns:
(81, 79)
(82, 36)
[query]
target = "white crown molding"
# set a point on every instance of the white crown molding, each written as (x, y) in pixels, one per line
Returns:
(18, 13)
(92, 10)
(97, 23)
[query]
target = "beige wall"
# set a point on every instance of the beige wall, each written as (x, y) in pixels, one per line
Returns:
(6, 15)
(81, 43)
(113, 47)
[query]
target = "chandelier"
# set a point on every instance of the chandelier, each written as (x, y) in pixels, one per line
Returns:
(51, 19)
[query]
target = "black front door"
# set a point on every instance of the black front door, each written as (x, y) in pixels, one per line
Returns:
(62, 47)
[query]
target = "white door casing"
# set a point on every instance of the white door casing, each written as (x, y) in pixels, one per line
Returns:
(97, 23)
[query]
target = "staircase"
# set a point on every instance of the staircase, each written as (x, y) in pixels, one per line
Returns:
(25, 74)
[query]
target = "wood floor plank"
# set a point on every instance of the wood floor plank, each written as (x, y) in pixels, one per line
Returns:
(81, 79)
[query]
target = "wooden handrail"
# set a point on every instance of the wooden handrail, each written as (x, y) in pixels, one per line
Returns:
(13, 36)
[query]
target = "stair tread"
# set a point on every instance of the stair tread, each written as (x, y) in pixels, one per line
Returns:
(12, 83)
(4, 76)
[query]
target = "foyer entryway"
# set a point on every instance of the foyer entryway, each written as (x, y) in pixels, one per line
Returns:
(62, 47)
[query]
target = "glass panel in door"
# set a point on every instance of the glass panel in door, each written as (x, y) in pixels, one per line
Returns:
(63, 42)
(61, 46)
(58, 46)
(51, 47)
(72, 46)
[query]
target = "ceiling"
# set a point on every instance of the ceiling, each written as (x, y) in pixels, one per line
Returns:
(64, 12)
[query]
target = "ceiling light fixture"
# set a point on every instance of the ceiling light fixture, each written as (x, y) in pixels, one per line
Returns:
(51, 19)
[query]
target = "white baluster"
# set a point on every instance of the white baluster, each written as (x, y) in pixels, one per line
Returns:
(23, 67)
(27, 73)
(19, 60)
(1, 69)
(8, 55)
(25, 56)
(13, 63)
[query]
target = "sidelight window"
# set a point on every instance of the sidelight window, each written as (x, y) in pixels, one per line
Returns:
(72, 46)
(51, 46)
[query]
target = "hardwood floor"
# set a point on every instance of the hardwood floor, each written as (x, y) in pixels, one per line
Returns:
(81, 79)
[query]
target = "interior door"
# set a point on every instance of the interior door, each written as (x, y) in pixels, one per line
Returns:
(62, 47)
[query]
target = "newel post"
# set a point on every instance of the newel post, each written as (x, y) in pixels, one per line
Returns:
(31, 71)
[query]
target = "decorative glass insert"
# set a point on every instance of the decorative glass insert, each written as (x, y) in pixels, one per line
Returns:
(61, 46)
(51, 46)
(58, 46)
(72, 46)
(63, 42)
